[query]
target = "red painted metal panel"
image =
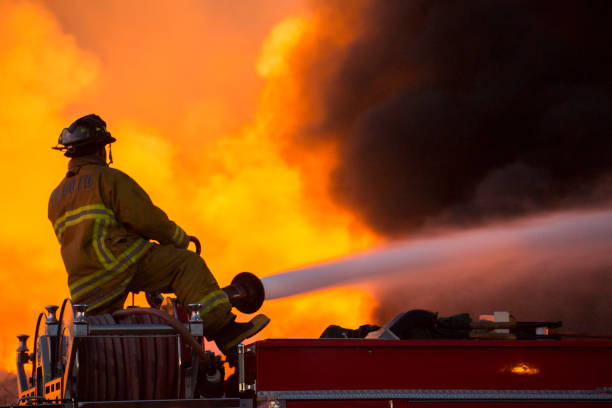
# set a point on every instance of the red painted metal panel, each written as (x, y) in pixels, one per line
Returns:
(337, 364)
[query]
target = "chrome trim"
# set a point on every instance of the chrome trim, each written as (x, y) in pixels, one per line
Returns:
(242, 385)
(442, 394)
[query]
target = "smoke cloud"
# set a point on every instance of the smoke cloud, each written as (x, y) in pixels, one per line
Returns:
(448, 112)
(8, 388)
(445, 114)
(576, 293)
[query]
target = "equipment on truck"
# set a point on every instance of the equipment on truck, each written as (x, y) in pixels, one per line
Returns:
(134, 354)
(146, 357)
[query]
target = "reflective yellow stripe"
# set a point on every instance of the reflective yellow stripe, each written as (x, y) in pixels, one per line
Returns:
(120, 264)
(103, 239)
(98, 238)
(178, 236)
(88, 212)
(78, 220)
(111, 296)
(94, 242)
(128, 257)
(78, 210)
(212, 306)
(112, 266)
(210, 296)
(101, 215)
(177, 231)
(212, 300)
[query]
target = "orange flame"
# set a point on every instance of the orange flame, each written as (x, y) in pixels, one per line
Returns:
(182, 120)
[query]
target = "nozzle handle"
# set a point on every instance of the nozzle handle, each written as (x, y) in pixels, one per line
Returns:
(196, 242)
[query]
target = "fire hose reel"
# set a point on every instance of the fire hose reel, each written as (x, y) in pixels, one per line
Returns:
(134, 354)
(137, 353)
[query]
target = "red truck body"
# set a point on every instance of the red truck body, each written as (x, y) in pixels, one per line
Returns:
(337, 373)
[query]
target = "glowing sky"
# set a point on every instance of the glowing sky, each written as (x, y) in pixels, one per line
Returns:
(194, 94)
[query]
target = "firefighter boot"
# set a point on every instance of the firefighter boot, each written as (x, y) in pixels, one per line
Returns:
(234, 333)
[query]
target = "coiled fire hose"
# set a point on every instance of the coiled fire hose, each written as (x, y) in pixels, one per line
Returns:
(171, 321)
(130, 367)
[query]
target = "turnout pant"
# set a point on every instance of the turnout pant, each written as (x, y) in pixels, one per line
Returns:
(186, 273)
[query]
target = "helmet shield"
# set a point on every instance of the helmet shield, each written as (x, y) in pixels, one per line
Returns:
(85, 131)
(78, 135)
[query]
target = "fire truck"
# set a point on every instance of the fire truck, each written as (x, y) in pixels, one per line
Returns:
(152, 358)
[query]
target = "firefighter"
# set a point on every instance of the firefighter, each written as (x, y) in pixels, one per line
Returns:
(105, 222)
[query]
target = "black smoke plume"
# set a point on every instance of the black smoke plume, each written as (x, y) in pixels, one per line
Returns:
(456, 112)
(8, 388)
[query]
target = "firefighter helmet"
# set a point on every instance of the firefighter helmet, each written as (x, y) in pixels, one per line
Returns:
(84, 133)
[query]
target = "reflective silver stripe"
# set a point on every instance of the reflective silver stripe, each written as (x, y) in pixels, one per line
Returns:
(178, 236)
(110, 297)
(120, 262)
(211, 301)
(435, 394)
(74, 217)
(100, 244)
(177, 232)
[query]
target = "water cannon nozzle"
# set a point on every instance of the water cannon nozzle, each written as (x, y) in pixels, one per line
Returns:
(246, 292)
